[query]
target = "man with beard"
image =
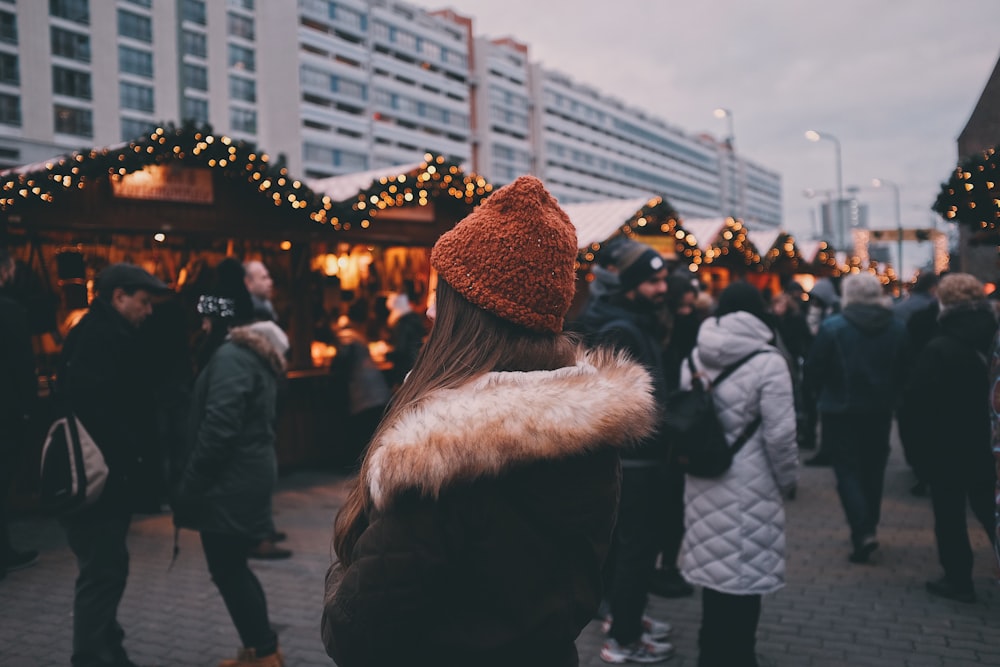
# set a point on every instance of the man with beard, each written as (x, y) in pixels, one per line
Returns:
(625, 317)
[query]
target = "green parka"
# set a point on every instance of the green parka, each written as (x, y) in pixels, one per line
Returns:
(231, 468)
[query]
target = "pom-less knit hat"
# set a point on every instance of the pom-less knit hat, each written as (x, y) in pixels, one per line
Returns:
(513, 256)
(228, 300)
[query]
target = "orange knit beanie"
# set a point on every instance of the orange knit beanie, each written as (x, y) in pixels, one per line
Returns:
(513, 256)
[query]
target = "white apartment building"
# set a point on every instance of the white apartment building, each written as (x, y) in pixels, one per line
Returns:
(342, 86)
(504, 144)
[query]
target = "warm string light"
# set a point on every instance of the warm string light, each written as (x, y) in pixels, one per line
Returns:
(971, 196)
(240, 161)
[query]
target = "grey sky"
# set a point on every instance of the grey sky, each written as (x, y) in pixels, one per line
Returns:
(893, 80)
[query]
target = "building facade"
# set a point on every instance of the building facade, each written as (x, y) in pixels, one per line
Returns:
(343, 86)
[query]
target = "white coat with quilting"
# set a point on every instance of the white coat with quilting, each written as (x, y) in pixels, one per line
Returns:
(735, 524)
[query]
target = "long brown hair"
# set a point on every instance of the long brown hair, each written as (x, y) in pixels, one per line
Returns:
(464, 343)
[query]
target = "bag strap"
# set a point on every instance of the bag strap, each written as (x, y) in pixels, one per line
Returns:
(732, 368)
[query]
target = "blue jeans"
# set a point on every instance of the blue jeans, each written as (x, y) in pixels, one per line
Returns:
(858, 444)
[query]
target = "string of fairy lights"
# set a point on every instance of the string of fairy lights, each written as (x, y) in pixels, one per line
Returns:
(241, 161)
(971, 196)
(435, 177)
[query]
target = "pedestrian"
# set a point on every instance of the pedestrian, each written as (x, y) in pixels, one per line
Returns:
(18, 388)
(685, 321)
(734, 569)
(102, 378)
(793, 338)
(922, 295)
(626, 317)
(947, 396)
(407, 336)
(484, 507)
(857, 366)
(995, 435)
(231, 468)
(360, 389)
(260, 285)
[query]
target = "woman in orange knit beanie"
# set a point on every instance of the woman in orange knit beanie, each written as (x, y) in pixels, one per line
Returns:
(483, 510)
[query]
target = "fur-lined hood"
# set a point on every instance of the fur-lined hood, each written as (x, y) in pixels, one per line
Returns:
(266, 340)
(502, 420)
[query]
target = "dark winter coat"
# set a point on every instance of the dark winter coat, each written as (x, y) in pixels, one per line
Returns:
(492, 511)
(947, 397)
(857, 364)
(18, 385)
(231, 468)
(104, 380)
(614, 322)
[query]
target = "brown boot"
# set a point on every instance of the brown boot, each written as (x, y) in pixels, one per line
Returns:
(247, 657)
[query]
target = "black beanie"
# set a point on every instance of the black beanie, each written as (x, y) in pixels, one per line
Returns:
(635, 262)
(228, 300)
(742, 297)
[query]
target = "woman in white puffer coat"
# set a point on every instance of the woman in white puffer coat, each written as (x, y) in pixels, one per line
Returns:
(734, 544)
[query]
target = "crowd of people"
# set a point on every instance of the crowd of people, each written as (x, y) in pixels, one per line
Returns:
(514, 472)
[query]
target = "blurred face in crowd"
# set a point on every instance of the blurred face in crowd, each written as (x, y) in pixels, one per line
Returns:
(135, 307)
(652, 291)
(6, 272)
(779, 305)
(258, 280)
(686, 305)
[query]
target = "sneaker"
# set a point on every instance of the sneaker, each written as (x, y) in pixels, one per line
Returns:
(670, 584)
(943, 588)
(638, 652)
(268, 550)
(652, 629)
(18, 560)
(862, 553)
(657, 630)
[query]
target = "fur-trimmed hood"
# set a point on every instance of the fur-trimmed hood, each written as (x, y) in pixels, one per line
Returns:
(266, 340)
(502, 420)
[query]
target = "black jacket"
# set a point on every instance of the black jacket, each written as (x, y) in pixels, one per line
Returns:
(947, 415)
(104, 380)
(492, 507)
(615, 322)
(17, 372)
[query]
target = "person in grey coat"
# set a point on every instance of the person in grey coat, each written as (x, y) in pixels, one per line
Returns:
(733, 570)
(225, 490)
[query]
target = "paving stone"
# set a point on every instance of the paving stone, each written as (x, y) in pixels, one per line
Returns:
(830, 613)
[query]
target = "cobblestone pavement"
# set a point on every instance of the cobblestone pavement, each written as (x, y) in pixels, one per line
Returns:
(830, 613)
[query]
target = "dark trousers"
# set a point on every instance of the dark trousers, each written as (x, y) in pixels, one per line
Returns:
(672, 492)
(633, 550)
(949, 495)
(858, 445)
(98, 542)
(728, 634)
(226, 556)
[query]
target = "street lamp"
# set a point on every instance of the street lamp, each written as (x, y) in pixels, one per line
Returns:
(813, 135)
(881, 182)
(721, 113)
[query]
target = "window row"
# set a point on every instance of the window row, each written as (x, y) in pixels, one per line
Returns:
(422, 109)
(77, 11)
(316, 78)
(334, 157)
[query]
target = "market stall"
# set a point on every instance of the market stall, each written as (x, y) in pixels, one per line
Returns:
(178, 200)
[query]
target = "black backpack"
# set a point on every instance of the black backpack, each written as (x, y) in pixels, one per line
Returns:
(697, 440)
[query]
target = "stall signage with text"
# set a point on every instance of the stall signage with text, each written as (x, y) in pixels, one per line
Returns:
(192, 185)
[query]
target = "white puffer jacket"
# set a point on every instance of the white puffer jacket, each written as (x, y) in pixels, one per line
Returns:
(735, 524)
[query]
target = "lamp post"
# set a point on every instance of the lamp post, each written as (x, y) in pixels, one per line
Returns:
(721, 113)
(881, 182)
(813, 135)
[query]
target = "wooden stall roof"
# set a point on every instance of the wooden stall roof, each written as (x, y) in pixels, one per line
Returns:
(598, 221)
(414, 203)
(246, 192)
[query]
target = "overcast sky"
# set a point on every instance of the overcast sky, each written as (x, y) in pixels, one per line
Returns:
(893, 80)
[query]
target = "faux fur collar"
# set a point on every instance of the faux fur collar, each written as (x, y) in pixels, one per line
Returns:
(502, 420)
(261, 345)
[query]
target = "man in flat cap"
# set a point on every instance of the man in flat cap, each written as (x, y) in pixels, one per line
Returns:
(101, 378)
